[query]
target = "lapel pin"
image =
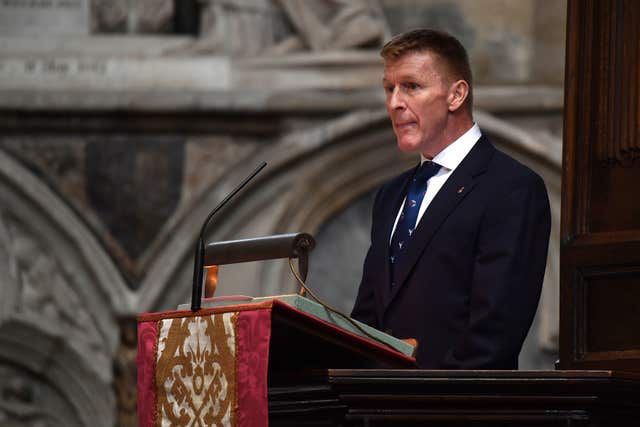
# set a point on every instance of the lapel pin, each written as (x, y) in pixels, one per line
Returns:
(460, 190)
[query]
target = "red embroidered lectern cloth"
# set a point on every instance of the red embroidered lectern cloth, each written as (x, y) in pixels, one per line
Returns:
(207, 368)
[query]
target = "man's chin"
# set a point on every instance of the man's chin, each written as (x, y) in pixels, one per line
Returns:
(408, 146)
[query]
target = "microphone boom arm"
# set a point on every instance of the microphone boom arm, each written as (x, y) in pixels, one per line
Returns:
(198, 262)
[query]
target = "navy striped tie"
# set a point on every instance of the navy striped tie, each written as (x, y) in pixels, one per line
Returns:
(409, 216)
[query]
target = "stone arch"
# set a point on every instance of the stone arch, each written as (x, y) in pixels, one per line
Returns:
(20, 187)
(60, 290)
(49, 382)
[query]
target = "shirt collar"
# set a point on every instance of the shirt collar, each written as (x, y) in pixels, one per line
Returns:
(455, 152)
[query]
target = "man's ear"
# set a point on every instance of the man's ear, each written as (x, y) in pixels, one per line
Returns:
(458, 92)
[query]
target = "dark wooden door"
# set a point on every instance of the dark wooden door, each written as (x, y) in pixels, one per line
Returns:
(600, 252)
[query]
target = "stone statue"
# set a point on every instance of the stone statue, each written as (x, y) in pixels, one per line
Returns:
(249, 27)
(124, 16)
(337, 24)
(238, 27)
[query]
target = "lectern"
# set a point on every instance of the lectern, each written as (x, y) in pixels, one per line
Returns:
(215, 365)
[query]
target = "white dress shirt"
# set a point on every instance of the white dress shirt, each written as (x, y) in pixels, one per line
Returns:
(448, 159)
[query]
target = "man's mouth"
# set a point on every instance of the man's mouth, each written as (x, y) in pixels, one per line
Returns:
(405, 125)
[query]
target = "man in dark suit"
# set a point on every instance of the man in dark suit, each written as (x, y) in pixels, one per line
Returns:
(459, 243)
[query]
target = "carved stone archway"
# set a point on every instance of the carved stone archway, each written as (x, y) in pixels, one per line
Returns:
(59, 294)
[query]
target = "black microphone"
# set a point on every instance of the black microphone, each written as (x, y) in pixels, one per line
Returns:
(198, 262)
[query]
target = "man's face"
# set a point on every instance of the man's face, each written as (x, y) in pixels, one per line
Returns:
(417, 102)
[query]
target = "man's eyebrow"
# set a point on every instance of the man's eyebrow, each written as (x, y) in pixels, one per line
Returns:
(404, 77)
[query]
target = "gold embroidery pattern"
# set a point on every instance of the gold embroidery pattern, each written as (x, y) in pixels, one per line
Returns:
(196, 371)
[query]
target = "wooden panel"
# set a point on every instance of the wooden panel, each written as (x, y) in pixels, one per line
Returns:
(616, 82)
(612, 209)
(615, 147)
(607, 312)
(601, 115)
(458, 398)
(600, 225)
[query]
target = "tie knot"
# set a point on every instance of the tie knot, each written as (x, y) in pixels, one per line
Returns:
(426, 170)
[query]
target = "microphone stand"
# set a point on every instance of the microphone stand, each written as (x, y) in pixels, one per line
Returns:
(198, 262)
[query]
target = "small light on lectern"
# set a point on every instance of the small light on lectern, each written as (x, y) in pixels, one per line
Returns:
(211, 280)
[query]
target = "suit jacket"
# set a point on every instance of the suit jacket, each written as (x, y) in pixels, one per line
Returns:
(471, 276)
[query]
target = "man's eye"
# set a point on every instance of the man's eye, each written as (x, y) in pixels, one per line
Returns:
(388, 89)
(411, 86)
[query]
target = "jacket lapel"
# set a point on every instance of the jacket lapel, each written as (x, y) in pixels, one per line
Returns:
(444, 203)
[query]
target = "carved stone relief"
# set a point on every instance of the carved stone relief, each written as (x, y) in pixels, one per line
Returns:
(336, 24)
(239, 27)
(38, 291)
(249, 27)
(140, 16)
(55, 296)
(27, 401)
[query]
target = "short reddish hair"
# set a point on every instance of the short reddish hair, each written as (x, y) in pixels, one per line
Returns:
(447, 48)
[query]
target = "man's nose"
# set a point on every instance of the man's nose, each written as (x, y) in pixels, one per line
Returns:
(396, 99)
